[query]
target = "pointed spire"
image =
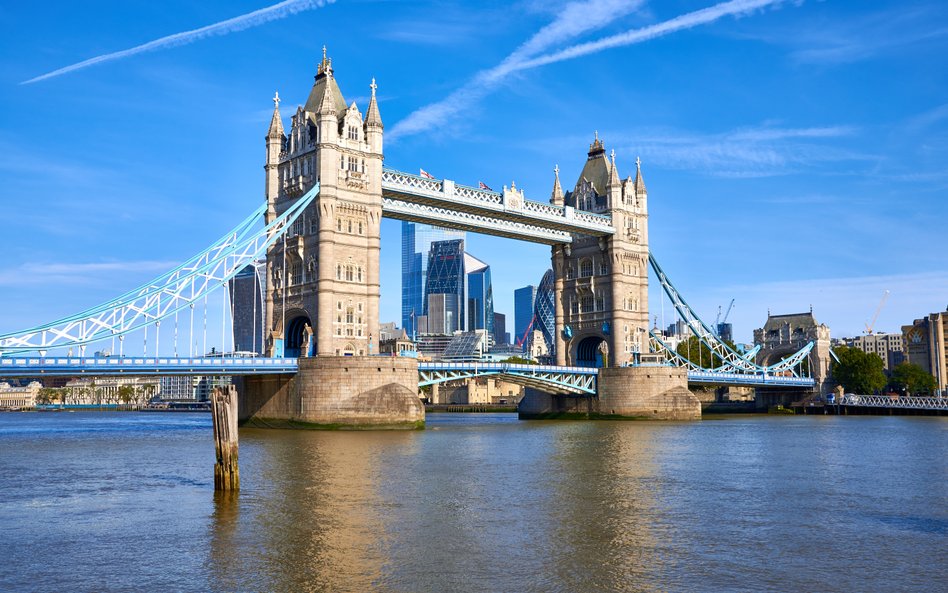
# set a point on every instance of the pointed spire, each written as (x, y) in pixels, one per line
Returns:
(639, 181)
(327, 104)
(324, 67)
(372, 116)
(276, 123)
(556, 197)
(613, 172)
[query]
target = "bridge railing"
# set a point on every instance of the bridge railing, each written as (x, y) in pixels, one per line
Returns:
(448, 190)
(888, 401)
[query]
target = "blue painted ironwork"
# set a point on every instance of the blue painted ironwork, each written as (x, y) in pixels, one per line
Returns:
(133, 366)
(729, 357)
(547, 378)
(164, 296)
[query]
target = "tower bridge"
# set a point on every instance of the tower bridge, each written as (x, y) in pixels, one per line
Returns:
(326, 192)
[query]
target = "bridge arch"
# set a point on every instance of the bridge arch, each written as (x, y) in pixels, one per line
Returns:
(587, 352)
(295, 333)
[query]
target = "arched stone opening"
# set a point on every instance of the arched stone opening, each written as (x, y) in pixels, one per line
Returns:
(296, 335)
(588, 353)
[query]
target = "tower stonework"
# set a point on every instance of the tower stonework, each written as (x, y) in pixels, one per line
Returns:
(322, 297)
(602, 283)
(601, 306)
(326, 273)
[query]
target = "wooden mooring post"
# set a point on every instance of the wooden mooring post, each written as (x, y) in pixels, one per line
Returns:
(224, 411)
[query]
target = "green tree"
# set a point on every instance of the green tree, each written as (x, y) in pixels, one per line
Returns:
(698, 353)
(858, 371)
(126, 393)
(912, 378)
(519, 360)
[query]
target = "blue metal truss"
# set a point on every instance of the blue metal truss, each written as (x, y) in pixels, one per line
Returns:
(137, 366)
(730, 358)
(164, 296)
(550, 379)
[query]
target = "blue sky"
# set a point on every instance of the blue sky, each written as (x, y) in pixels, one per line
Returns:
(796, 153)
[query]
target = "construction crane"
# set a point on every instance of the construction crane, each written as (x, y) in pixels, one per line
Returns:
(872, 324)
(718, 321)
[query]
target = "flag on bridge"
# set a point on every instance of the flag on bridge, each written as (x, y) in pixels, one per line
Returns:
(425, 174)
(483, 185)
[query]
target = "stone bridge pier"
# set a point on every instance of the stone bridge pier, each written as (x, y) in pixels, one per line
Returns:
(346, 392)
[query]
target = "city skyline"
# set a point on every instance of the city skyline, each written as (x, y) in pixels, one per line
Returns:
(816, 185)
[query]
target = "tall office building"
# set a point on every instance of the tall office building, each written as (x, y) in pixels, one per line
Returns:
(247, 290)
(480, 296)
(416, 243)
(544, 311)
(501, 337)
(458, 291)
(524, 299)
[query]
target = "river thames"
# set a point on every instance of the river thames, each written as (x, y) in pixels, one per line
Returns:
(486, 503)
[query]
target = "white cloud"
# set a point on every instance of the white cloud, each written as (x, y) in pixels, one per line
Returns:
(232, 25)
(64, 274)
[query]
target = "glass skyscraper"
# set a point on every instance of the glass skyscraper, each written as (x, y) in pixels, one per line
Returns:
(523, 312)
(458, 291)
(545, 312)
(416, 243)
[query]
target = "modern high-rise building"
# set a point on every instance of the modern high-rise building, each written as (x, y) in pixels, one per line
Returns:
(416, 243)
(501, 337)
(458, 291)
(480, 296)
(544, 311)
(445, 285)
(524, 299)
(247, 298)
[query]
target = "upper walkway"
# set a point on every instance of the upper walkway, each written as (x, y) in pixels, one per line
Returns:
(508, 214)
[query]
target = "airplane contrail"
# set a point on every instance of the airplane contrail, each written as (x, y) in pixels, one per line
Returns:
(436, 114)
(232, 25)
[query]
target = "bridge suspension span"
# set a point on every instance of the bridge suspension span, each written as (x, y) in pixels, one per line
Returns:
(167, 294)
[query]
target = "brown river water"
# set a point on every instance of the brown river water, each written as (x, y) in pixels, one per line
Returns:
(477, 502)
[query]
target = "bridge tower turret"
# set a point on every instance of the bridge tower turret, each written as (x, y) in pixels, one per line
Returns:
(602, 283)
(327, 276)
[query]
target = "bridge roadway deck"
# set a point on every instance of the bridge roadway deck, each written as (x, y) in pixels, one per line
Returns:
(62, 366)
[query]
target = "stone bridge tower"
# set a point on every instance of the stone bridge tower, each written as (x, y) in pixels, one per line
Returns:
(602, 283)
(322, 296)
(326, 274)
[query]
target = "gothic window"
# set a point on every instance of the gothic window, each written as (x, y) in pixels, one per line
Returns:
(350, 226)
(360, 307)
(600, 303)
(349, 275)
(339, 224)
(360, 274)
(569, 273)
(363, 165)
(296, 274)
(342, 161)
(297, 227)
(339, 276)
(313, 225)
(585, 268)
(353, 133)
(360, 228)
(587, 304)
(603, 267)
(349, 315)
(353, 164)
(574, 306)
